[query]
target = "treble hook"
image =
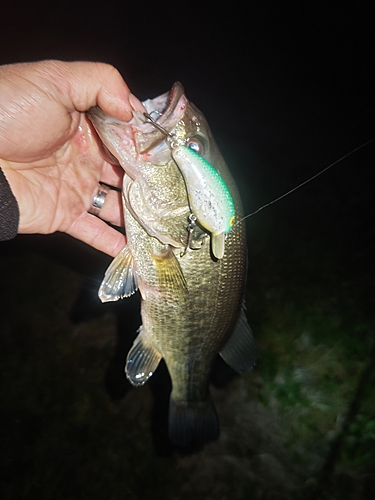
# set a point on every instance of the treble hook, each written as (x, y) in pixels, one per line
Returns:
(149, 119)
(172, 140)
(190, 229)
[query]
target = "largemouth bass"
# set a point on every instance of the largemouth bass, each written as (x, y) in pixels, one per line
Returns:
(191, 279)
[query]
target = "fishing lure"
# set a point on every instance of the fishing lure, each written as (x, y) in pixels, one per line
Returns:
(209, 197)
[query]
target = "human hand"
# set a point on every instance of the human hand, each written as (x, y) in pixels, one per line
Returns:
(49, 152)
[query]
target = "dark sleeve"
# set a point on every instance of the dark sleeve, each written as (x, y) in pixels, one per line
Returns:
(9, 211)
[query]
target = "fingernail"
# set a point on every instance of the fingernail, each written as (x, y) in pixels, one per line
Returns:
(136, 103)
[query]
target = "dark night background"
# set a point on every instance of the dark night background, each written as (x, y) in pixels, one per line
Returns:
(287, 89)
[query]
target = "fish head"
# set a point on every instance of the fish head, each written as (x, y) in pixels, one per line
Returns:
(133, 143)
(136, 142)
(163, 194)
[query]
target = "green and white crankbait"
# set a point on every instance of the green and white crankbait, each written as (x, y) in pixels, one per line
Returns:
(209, 197)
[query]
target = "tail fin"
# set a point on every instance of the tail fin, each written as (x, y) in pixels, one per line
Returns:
(192, 423)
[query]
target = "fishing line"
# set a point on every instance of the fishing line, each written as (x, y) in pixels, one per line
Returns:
(306, 181)
(149, 119)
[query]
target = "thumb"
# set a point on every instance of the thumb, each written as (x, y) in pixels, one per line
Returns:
(90, 84)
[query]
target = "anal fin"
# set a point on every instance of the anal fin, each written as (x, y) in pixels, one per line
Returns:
(142, 360)
(120, 279)
(240, 350)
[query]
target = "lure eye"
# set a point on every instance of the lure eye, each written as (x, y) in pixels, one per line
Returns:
(195, 145)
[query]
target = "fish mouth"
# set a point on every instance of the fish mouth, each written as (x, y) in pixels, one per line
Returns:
(167, 107)
(167, 110)
(124, 142)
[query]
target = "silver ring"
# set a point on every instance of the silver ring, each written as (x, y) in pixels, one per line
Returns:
(99, 199)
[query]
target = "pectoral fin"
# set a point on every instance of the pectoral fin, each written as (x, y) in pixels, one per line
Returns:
(120, 279)
(240, 350)
(218, 245)
(171, 280)
(142, 360)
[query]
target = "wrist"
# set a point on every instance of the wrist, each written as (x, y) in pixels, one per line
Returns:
(9, 210)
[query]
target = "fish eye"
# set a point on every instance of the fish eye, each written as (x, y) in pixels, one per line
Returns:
(195, 145)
